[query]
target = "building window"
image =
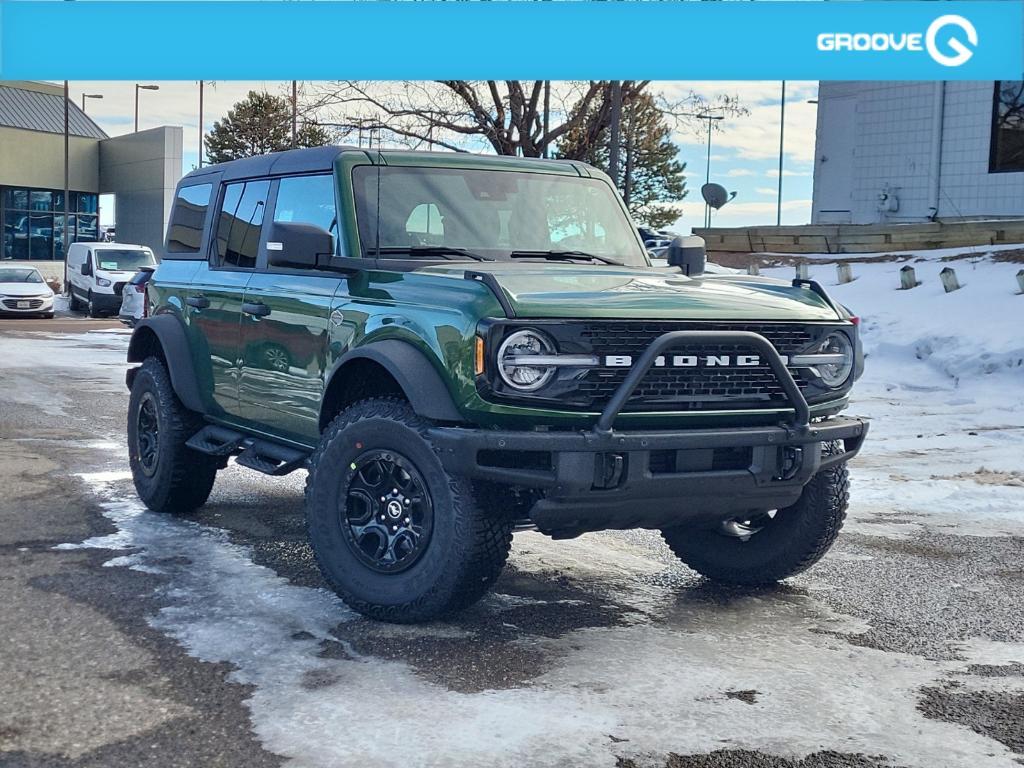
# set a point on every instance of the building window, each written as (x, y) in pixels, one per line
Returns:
(33, 222)
(1007, 153)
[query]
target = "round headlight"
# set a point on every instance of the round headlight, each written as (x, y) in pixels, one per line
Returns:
(837, 345)
(513, 362)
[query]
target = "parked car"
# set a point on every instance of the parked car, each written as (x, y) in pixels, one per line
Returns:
(133, 297)
(98, 272)
(23, 291)
(456, 347)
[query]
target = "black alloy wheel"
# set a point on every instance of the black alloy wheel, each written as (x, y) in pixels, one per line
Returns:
(387, 514)
(148, 434)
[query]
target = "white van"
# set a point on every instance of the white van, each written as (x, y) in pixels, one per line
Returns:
(97, 273)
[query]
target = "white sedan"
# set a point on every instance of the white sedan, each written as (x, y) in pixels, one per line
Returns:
(24, 292)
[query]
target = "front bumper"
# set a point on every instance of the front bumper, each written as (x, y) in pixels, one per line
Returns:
(36, 305)
(604, 478)
(595, 481)
(106, 302)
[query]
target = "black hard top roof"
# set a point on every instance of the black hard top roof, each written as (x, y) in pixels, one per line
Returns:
(321, 159)
(289, 161)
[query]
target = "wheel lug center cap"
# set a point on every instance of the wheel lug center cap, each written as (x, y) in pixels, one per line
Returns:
(394, 509)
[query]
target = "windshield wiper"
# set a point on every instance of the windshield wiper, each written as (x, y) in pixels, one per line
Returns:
(429, 250)
(564, 256)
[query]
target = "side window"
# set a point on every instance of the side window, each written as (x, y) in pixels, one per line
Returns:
(307, 200)
(185, 233)
(240, 224)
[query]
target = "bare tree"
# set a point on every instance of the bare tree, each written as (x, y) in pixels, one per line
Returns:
(509, 116)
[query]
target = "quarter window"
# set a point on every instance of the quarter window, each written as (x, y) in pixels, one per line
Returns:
(185, 233)
(240, 224)
(1007, 153)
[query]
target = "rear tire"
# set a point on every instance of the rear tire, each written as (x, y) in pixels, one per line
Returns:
(792, 541)
(446, 553)
(169, 476)
(73, 303)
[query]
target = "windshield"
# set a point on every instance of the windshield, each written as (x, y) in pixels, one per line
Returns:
(123, 259)
(9, 275)
(489, 214)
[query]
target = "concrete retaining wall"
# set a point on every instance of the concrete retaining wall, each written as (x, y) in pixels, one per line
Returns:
(862, 238)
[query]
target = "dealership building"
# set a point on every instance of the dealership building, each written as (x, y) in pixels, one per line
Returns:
(895, 152)
(139, 169)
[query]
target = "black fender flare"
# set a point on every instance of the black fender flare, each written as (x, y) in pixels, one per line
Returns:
(170, 335)
(422, 384)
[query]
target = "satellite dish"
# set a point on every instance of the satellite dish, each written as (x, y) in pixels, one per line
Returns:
(715, 195)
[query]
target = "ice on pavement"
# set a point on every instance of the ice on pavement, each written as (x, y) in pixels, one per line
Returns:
(658, 686)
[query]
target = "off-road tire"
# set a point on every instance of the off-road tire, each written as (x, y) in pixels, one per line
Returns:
(182, 479)
(467, 547)
(792, 542)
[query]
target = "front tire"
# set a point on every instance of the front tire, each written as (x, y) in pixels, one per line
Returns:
(396, 536)
(765, 549)
(90, 307)
(169, 476)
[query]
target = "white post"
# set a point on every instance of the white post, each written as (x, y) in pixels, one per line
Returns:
(802, 272)
(949, 281)
(753, 269)
(908, 279)
(844, 273)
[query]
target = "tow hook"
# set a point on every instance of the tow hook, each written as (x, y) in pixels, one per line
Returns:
(791, 458)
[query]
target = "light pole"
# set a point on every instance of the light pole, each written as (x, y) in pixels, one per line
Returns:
(137, 89)
(782, 139)
(90, 96)
(200, 123)
(707, 170)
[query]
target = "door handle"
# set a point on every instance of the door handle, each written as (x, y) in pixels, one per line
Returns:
(199, 302)
(256, 309)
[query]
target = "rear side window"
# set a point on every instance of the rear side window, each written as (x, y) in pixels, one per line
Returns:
(240, 224)
(185, 233)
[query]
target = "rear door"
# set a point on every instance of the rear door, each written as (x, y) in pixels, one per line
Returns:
(216, 296)
(284, 343)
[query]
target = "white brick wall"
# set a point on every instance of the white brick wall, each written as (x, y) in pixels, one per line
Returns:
(891, 143)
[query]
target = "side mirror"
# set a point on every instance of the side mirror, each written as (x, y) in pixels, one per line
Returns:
(304, 246)
(688, 254)
(86, 268)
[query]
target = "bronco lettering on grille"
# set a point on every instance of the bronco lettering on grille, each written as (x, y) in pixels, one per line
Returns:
(690, 361)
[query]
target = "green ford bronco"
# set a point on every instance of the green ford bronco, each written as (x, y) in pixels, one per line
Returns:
(457, 347)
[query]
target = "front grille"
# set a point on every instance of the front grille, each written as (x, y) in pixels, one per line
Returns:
(32, 304)
(669, 387)
(690, 389)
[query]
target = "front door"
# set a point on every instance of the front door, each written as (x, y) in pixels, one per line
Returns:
(284, 344)
(216, 298)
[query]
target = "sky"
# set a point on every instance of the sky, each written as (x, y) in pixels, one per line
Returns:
(744, 153)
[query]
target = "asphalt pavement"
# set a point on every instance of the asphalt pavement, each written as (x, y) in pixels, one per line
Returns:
(129, 638)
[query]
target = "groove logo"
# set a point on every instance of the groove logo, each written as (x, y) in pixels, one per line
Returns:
(956, 50)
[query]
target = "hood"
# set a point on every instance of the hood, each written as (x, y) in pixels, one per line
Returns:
(577, 290)
(25, 289)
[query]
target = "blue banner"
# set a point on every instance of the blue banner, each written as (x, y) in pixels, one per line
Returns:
(877, 40)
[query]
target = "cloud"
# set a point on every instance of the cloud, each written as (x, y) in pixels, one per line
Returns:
(734, 172)
(773, 173)
(766, 191)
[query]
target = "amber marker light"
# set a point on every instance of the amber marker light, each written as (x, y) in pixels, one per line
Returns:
(479, 366)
